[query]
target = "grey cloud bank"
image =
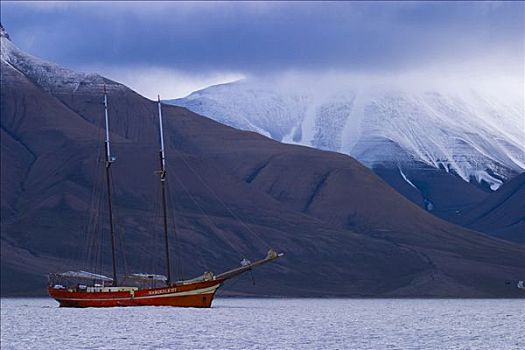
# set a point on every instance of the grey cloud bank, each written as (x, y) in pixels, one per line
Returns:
(237, 39)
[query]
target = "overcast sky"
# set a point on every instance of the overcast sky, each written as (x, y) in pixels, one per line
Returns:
(175, 48)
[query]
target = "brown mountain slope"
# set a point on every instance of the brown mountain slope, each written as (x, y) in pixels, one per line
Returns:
(344, 231)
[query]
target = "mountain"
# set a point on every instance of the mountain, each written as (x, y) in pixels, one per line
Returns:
(444, 148)
(502, 213)
(234, 193)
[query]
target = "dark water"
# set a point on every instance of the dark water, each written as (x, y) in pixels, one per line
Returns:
(269, 323)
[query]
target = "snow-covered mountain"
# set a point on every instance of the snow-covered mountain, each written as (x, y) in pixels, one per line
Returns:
(50, 76)
(472, 135)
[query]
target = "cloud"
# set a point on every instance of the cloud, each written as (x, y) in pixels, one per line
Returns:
(169, 83)
(212, 39)
(321, 84)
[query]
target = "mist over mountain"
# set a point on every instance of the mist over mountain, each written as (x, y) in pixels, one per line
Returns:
(344, 231)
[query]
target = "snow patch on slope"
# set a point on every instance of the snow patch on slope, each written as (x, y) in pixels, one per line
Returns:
(406, 179)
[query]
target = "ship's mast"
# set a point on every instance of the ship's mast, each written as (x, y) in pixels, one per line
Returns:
(163, 191)
(109, 160)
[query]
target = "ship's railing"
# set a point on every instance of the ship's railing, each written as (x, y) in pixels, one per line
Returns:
(82, 280)
(77, 281)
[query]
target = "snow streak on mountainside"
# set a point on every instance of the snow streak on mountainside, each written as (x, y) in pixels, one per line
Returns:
(470, 134)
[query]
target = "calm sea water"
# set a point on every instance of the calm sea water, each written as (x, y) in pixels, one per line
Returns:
(269, 323)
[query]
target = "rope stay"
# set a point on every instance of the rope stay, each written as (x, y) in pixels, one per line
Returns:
(95, 231)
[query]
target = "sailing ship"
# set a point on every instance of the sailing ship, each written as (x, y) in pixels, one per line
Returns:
(87, 289)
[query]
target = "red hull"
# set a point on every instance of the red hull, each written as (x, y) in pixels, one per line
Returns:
(199, 294)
